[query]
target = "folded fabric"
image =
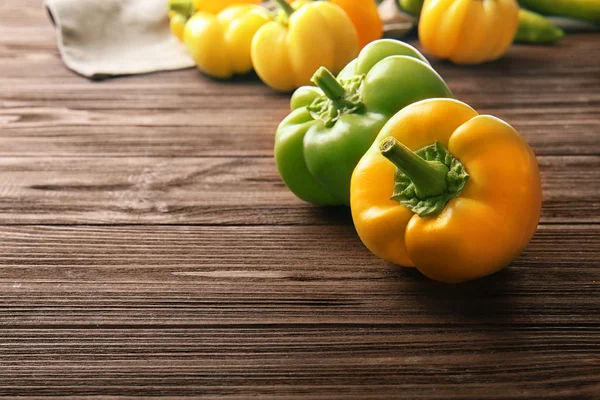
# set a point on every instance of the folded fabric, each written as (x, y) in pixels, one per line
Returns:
(104, 38)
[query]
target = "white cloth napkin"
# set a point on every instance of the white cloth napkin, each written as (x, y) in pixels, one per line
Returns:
(103, 38)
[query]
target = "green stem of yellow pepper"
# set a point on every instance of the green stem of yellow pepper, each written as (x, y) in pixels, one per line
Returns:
(428, 177)
(285, 6)
(182, 7)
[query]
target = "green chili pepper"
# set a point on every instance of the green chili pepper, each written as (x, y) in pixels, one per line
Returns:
(587, 10)
(536, 29)
(332, 125)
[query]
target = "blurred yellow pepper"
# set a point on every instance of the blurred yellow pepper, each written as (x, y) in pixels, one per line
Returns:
(365, 17)
(177, 25)
(453, 193)
(220, 45)
(216, 6)
(468, 31)
(180, 11)
(306, 35)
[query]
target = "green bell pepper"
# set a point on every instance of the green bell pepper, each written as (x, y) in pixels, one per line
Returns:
(332, 125)
(411, 7)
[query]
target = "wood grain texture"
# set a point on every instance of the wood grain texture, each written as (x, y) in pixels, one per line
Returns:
(230, 276)
(219, 311)
(236, 190)
(166, 115)
(148, 248)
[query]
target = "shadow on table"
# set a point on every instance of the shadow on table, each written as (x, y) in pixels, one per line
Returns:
(332, 215)
(489, 298)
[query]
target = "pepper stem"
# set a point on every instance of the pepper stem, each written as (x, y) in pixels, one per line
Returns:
(285, 6)
(183, 7)
(429, 177)
(328, 83)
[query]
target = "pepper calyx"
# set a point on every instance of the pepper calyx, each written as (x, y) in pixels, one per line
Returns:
(182, 7)
(340, 97)
(427, 179)
(287, 9)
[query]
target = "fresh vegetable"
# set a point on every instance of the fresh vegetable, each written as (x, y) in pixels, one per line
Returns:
(177, 25)
(365, 17)
(183, 7)
(533, 28)
(331, 126)
(454, 193)
(180, 11)
(220, 45)
(216, 6)
(468, 31)
(411, 7)
(306, 35)
(587, 10)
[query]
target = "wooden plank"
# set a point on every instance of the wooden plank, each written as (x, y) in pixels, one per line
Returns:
(91, 276)
(484, 363)
(132, 125)
(121, 117)
(288, 312)
(219, 191)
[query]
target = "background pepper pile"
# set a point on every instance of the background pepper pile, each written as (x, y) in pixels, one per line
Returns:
(431, 183)
(285, 46)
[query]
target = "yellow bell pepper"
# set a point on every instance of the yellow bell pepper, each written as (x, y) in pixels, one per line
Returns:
(216, 6)
(306, 35)
(468, 31)
(179, 13)
(365, 17)
(177, 24)
(462, 207)
(220, 45)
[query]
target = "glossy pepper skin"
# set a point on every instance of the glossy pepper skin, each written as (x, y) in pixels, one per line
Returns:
(177, 25)
(216, 6)
(587, 10)
(411, 7)
(220, 44)
(468, 31)
(463, 218)
(305, 36)
(365, 17)
(318, 145)
(533, 28)
(180, 11)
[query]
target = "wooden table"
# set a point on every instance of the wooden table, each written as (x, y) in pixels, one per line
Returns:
(148, 247)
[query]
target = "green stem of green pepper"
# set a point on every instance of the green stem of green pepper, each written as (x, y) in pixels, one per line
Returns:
(285, 6)
(328, 83)
(428, 177)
